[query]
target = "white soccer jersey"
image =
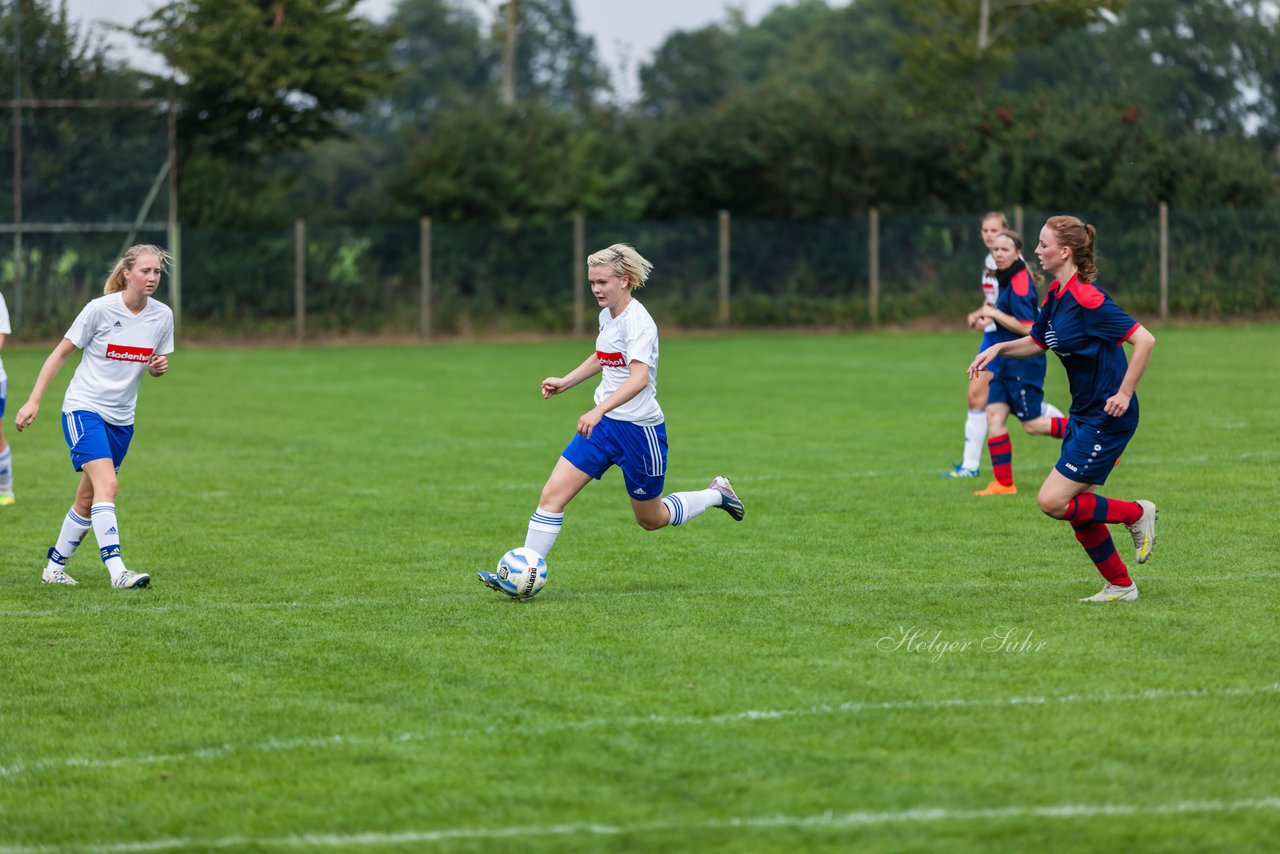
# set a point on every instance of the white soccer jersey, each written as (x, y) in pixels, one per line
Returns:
(630, 337)
(118, 346)
(5, 329)
(990, 288)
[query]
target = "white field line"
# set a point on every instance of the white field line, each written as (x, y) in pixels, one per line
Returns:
(821, 821)
(20, 767)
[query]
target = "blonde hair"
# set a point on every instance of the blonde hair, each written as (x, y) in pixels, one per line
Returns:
(1004, 222)
(115, 282)
(1078, 237)
(625, 261)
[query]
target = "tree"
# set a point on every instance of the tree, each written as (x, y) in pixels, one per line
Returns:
(953, 49)
(690, 71)
(70, 173)
(1208, 66)
(263, 77)
(555, 62)
(487, 162)
(439, 56)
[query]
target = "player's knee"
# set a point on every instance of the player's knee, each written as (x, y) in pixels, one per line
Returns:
(550, 502)
(105, 491)
(650, 523)
(1052, 506)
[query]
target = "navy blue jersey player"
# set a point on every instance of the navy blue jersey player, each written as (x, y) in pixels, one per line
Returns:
(1086, 329)
(1017, 385)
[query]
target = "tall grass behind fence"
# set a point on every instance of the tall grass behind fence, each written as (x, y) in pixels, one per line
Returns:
(478, 279)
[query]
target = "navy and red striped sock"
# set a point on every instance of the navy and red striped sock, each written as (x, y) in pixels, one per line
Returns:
(1090, 507)
(1097, 543)
(1001, 450)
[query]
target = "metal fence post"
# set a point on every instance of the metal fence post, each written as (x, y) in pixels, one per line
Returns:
(300, 278)
(579, 273)
(424, 277)
(724, 268)
(873, 252)
(175, 276)
(1164, 262)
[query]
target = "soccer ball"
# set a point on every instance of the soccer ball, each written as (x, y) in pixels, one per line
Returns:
(522, 573)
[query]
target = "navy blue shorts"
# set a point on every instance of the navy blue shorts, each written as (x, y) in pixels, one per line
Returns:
(1089, 453)
(641, 453)
(91, 438)
(4, 388)
(1024, 395)
(990, 339)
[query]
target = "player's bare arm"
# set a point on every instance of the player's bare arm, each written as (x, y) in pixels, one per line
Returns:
(48, 371)
(1008, 321)
(159, 366)
(1021, 348)
(554, 385)
(1143, 343)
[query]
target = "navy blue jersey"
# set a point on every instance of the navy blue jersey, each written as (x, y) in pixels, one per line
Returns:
(1018, 299)
(1087, 331)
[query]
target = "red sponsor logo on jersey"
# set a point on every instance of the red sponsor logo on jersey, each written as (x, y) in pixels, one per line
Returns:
(611, 360)
(120, 353)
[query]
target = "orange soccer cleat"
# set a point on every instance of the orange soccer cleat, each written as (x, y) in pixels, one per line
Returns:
(995, 487)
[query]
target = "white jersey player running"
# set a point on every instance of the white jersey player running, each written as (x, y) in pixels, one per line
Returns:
(625, 427)
(122, 334)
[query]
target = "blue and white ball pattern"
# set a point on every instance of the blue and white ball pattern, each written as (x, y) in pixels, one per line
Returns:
(522, 573)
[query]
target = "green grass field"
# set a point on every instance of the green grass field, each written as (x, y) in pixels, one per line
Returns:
(317, 667)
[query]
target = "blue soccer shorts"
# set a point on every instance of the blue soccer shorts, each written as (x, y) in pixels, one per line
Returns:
(1024, 395)
(1089, 452)
(91, 438)
(641, 453)
(990, 339)
(4, 390)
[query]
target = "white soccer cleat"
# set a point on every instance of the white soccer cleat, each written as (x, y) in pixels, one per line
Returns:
(129, 579)
(1114, 593)
(729, 501)
(56, 576)
(958, 470)
(1144, 531)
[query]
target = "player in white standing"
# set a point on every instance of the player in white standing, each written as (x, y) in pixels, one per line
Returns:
(6, 455)
(122, 335)
(975, 425)
(625, 427)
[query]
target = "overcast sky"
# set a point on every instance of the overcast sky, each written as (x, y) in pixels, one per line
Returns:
(626, 31)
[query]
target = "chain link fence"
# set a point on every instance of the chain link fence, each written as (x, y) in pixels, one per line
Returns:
(467, 279)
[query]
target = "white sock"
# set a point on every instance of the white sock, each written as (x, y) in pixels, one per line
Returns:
(74, 528)
(544, 527)
(1048, 410)
(975, 437)
(6, 471)
(683, 506)
(108, 535)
